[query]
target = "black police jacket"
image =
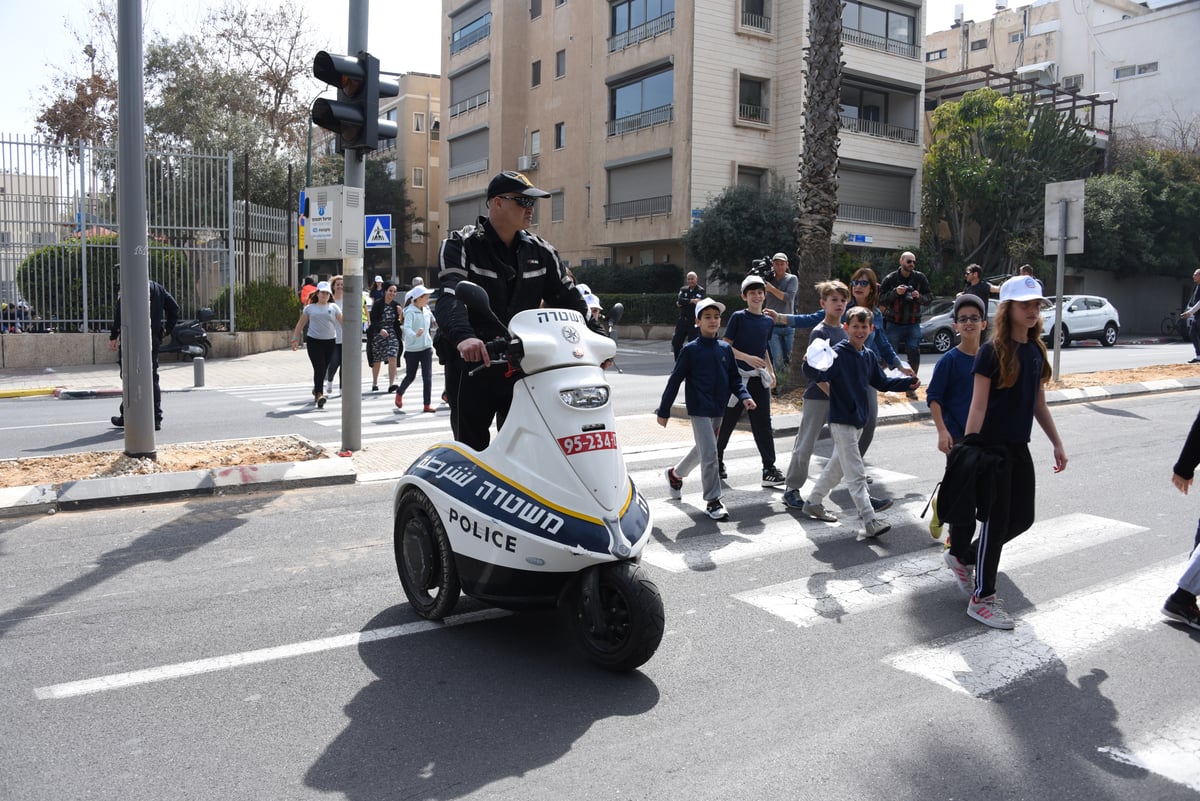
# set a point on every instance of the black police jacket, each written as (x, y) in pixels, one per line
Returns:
(524, 276)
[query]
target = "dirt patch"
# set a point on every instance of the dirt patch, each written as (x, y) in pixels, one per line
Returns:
(791, 402)
(171, 459)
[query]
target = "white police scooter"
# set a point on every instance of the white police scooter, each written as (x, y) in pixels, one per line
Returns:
(546, 515)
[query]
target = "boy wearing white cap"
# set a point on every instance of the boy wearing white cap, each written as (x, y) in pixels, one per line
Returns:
(707, 365)
(747, 333)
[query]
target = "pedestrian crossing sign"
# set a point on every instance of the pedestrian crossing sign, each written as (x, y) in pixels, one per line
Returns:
(379, 230)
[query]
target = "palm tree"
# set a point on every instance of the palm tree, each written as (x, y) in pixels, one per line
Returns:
(817, 188)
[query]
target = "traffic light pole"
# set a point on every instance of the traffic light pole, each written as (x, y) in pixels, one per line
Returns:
(352, 271)
(137, 373)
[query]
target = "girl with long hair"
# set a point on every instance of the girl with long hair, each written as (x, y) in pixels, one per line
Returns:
(1009, 394)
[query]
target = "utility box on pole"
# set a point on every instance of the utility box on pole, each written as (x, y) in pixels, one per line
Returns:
(334, 222)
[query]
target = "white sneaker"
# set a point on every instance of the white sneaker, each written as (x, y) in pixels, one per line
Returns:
(877, 526)
(963, 573)
(818, 512)
(989, 612)
(716, 510)
(328, 387)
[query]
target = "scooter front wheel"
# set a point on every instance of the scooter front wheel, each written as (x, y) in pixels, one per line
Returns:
(617, 615)
(424, 558)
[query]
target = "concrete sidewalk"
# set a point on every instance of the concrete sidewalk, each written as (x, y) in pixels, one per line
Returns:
(379, 459)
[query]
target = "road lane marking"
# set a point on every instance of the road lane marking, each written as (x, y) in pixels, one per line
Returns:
(178, 670)
(985, 661)
(873, 584)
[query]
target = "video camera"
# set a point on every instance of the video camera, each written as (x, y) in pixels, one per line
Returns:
(762, 268)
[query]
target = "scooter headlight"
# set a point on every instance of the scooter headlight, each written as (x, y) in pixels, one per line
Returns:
(585, 397)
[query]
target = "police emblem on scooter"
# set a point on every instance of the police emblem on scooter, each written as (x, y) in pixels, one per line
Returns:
(524, 524)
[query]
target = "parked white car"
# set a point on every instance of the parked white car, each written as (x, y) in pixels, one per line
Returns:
(1084, 317)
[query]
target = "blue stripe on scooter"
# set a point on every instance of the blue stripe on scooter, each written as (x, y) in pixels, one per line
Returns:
(464, 478)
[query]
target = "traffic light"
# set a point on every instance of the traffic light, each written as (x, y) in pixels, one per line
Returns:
(354, 116)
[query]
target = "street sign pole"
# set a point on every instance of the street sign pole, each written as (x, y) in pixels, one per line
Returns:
(1068, 197)
(392, 237)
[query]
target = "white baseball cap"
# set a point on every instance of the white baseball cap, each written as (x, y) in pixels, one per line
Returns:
(779, 257)
(705, 303)
(1021, 287)
(751, 281)
(324, 287)
(417, 291)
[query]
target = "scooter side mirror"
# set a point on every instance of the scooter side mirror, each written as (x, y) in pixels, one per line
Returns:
(475, 298)
(616, 312)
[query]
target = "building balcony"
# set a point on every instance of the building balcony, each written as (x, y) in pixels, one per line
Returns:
(641, 33)
(633, 209)
(900, 218)
(462, 43)
(874, 41)
(884, 130)
(751, 113)
(471, 103)
(646, 119)
(470, 168)
(756, 21)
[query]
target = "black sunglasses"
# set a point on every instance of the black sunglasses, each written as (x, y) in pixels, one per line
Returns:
(860, 282)
(523, 202)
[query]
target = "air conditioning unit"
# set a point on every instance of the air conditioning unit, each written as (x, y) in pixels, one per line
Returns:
(525, 163)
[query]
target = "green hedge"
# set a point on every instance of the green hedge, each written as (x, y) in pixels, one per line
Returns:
(659, 308)
(54, 275)
(261, 306)
(605, 279)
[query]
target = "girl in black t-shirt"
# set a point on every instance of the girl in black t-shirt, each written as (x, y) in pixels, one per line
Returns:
(1009, 394)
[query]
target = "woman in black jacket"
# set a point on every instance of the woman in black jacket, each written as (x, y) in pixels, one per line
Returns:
(385, 336)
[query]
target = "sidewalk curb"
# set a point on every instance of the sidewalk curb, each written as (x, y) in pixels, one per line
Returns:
(62, 393)
(118, 490)
(29, 392)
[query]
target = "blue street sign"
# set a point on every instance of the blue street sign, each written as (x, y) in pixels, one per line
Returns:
(378, 230)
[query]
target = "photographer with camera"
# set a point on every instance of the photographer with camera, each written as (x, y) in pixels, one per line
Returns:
(782, 287)
(903, 295)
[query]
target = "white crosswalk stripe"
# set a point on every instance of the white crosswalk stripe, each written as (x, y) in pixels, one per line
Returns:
(1171, 750)
(380, 416)
(874, 584)
(782, 529)
(982, 662)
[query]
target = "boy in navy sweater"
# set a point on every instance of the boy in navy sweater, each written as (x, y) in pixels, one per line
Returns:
(708, 365)
(854, 369)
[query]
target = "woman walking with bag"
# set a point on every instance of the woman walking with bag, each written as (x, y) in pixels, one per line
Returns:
(385, 335)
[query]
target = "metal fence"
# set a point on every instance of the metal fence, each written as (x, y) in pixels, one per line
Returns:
(59, 234)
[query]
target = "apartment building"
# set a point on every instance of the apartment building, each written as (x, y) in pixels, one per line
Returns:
(1142, 57)
(634, 113)
(414, 156)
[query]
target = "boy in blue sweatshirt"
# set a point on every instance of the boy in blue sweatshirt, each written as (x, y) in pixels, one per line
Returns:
(855, 368)
(708, 365)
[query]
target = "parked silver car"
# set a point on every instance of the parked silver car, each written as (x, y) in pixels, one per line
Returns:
(937, 333)
(1084, 317)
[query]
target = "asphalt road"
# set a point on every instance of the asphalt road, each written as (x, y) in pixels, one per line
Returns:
(260, 647)
(42, 425)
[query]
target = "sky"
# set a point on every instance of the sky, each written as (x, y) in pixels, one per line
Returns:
(404, 34)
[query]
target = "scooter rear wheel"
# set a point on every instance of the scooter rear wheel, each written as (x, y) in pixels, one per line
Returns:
(424, 558)
(626, 625)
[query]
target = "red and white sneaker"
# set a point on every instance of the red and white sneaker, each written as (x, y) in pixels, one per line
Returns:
(989, 612)
(963, 574)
